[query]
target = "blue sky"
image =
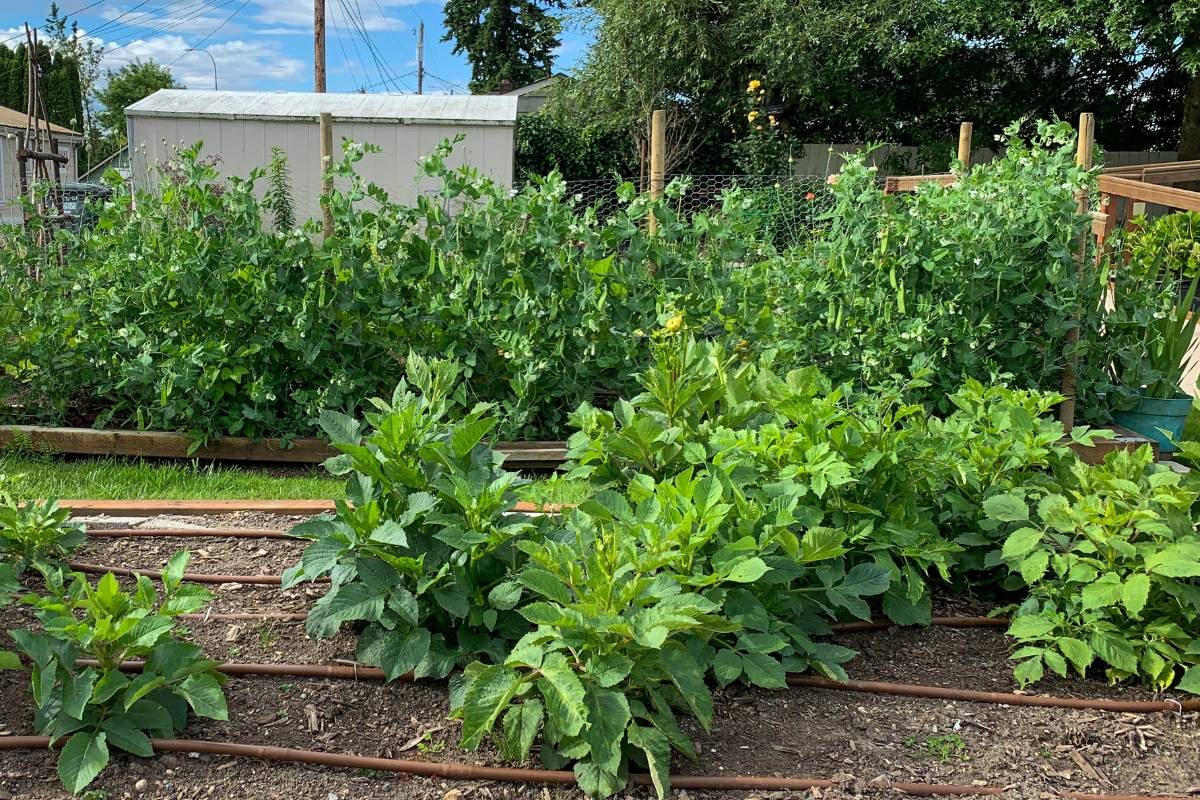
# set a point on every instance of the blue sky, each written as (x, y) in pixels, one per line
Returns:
(267, 44)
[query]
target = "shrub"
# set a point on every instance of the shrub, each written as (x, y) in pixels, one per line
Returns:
(36, 534)
(1110, 556)
(100, 706)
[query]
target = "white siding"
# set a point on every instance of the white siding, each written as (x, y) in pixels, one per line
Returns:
(245, 144)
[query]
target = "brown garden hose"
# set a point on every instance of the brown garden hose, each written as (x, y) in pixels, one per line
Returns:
(1002, 698)
(364, 673)
(472, 772)
(291, 508)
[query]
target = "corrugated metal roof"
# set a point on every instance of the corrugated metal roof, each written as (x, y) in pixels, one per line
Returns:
(410, 108)
(11, 118)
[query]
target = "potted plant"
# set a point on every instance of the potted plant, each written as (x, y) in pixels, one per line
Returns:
(1163, 327)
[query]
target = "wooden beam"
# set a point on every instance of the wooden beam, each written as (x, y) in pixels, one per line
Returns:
(325, 129)
(1150, 193)
(658, 159)
(908, 183)
(160, 444)
(1085, 147)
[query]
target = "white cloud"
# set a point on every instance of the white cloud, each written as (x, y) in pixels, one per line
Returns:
(296, 16)
(181, 17)
(240, 64)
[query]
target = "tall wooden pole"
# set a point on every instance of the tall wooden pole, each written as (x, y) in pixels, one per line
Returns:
(326, 125)
(421, 57)
(658, 159)
(319, 46)
(1083, 157)
(965, 132)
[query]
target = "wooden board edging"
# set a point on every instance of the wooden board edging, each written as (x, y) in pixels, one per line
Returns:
(200, 508)
(161, 444)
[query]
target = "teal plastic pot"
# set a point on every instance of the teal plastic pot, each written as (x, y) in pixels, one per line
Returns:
(1154, 415)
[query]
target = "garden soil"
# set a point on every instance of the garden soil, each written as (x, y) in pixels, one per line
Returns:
(861, 740)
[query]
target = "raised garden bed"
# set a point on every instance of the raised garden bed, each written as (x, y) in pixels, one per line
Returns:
(158, 444)
(860, 741)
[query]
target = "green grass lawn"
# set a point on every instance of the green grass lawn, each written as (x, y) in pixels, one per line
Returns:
(29, 477)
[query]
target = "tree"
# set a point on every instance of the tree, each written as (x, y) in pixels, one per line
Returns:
(504, 41)
(1156, 30)
(851, 70)
(125, 87)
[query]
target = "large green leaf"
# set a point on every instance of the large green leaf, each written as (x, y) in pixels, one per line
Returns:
(203, 693)
(608, 714)
(123, 733)
(563, 693)
(521, 724)
(657, 751)
(489, 693)
(83, 757)
(687, 676)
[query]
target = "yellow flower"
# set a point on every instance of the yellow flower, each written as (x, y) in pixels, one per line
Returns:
(754, 84)
(674, 324)
(771, 119)
(753, 115)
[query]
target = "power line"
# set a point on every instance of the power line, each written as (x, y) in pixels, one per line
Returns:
(338, 36)
(380, 61)
(213, 32)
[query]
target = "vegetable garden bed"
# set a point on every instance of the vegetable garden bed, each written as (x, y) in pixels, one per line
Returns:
(861, 741)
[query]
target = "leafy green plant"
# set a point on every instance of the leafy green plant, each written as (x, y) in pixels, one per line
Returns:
(633, 607)
(98, 706)
(37, 534)
(423, 553)
(1161, 329)
(1110, 555)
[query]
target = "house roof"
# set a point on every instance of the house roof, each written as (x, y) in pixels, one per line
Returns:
(530, 88)
(402, 108)
(11, 118)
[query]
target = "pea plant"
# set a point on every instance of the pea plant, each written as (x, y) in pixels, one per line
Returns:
(1109, 555)
(98, 706)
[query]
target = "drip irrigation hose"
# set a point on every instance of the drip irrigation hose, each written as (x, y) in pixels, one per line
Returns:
(472, 772)
(1001, 698)
(291, 508)
(945, 622)
(364, 673)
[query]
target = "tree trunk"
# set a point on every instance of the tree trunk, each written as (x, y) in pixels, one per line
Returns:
(1189, 129)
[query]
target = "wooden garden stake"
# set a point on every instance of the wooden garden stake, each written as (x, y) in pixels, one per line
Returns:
(1083, 157)
(965, 132)
(326, 126)
(658, 159)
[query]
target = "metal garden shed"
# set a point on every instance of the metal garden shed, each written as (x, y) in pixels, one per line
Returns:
(240, 128)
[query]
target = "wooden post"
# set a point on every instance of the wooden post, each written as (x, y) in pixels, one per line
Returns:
(658, 159)
(1083, 157)
(421, 57)
(319, 46)
(965, 131)
(326, 126)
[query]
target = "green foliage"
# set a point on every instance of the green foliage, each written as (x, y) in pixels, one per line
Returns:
(1110, 555)
(126, 86)
(504, 41)
(538, 299)
(1154, 297)
(36, 534)
(279, 192)
(423, 555)
(99, 706)
(546, 142)
(974, 280)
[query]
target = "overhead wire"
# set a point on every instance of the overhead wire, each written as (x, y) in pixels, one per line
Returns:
(213, 32)
(359, 24)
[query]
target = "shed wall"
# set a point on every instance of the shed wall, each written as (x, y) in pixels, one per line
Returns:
(10, 181)
(245, 144)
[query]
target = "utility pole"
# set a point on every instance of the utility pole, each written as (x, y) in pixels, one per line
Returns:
(319, 45)
(421, 57)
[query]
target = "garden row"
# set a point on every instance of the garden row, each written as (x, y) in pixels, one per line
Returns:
(735, 516)
(182, 311)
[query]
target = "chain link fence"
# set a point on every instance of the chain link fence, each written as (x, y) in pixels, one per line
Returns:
(785, 209)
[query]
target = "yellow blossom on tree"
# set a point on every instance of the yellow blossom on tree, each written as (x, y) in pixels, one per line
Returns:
(753, 115)
(754, 84)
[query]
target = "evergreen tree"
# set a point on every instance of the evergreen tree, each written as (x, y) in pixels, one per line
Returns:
(504, 41)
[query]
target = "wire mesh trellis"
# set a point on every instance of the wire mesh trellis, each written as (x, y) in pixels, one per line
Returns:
(783, 208)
